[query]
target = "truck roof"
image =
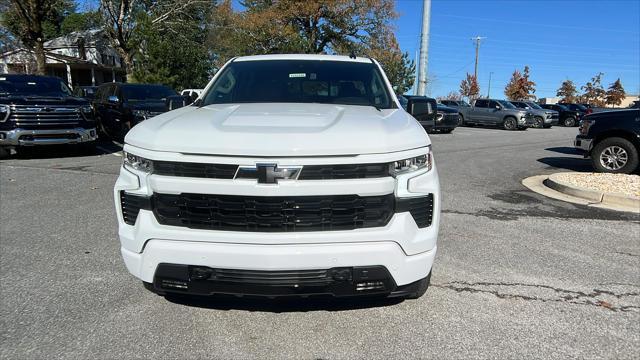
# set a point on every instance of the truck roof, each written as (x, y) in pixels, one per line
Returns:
(317, 57)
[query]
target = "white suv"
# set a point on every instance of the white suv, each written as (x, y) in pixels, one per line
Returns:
(291, 175)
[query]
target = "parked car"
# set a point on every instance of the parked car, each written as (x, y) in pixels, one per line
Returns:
(87, 92)
(612, 140)
(118, 107)
(41, 110)
(497, 113)
(292, 175)
(635, 105)
(582, 109)
(542, 118)
(567, 117)
(456, 104)
(447, 119)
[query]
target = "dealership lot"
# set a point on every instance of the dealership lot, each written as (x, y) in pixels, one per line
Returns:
(516, 275)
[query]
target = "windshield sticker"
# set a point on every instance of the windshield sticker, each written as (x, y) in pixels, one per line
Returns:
(3, 78)
(297, 75)
(31, 83)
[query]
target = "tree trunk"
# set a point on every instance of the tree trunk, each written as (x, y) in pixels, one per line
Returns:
(128, 65)
(40, 58)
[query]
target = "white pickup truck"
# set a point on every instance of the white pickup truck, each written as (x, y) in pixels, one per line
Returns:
(291, 175)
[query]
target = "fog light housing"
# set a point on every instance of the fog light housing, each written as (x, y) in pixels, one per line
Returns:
(370, 285)
(201, 273)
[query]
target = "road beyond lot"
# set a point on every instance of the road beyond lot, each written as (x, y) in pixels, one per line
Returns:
(517, 275)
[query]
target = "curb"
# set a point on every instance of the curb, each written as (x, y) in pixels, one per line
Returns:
(547, 186)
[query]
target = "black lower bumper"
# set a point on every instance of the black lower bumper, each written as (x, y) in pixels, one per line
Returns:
(335, 282)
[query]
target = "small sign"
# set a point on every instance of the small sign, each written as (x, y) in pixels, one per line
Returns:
(297, 75)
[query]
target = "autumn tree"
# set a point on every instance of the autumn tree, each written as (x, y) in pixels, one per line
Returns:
(594, 92)
(520, 87)
(35, 21)
(615, 93)
(452, 95)
(469, 87)
(567, 92)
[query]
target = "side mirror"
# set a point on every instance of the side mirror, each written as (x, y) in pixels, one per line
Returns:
(112, 99)
(498, 107)
(421, 107)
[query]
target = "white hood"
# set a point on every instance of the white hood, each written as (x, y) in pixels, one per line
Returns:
(278, 129)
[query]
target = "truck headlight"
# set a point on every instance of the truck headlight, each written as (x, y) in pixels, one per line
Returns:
(412, 164)
(4, 112)
(138, 163)
(87, 112)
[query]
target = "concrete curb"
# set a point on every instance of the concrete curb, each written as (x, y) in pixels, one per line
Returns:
(592, 195)
(541, 184)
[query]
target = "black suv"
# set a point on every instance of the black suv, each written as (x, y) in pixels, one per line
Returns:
(567, 116)
(612, 140)
(118, 107)
(41, 110)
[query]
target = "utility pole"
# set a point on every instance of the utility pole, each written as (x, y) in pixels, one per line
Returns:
(424, 48)
(489, 91)
(477, 40)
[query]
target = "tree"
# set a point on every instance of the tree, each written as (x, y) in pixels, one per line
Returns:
(126, 20)
(469, 87)
(35, 21)
(452, 95)
(80, 22)
(174, 53)
(567, 92)
(397, 66)
(520, 87)
(594, 93)
(312, 26)
(615, 93)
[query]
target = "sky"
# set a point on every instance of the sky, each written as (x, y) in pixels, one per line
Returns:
(558, 40)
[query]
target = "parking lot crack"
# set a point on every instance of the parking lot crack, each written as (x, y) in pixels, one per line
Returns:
(610, 300)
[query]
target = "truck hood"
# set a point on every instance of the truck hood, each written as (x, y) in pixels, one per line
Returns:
(278, 129)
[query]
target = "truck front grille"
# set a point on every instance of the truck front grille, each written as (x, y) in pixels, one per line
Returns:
(273, 214)
(33, 116)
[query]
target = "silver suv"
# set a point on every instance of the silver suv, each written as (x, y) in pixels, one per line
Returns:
(542, 118)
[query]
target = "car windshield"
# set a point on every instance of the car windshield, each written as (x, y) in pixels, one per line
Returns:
(33, 86)
(534, 105)
(463, 103)
(519, 105)
(579, 107)
(300, 81)
(146, 92)
(506, 104)
(562, 107)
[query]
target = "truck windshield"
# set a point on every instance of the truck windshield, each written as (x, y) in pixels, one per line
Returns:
(33, 86)
(300, 81)
(506, 104)
(146, 92)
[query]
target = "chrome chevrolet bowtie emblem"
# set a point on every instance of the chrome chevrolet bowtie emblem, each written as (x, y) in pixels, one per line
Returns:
(268, 173)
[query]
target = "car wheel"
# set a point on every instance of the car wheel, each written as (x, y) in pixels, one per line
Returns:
(460, 120)
(569, 121)
(615, 155)
(510, 123)
(421, 289)
(538, 122)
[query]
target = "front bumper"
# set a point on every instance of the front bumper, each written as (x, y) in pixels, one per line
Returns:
(584, 144)
(403, 248)
(22, 137)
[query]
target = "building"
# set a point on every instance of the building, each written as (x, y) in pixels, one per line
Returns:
(81, 58)
(626, 102)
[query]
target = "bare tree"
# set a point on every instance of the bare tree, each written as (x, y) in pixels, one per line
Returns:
(32, 14)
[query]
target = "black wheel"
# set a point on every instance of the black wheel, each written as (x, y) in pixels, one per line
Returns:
(422, 287)
(538, 122)
(510, 123)
(569, 121)
(615, 155)
(460, 120)
(446, 131)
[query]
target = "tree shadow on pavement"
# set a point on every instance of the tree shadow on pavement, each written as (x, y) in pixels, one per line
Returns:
(568, 163)
(220, 302)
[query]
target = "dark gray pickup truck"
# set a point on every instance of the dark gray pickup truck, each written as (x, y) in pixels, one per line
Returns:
(496, 113)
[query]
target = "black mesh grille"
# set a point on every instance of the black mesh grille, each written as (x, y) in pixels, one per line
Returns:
(421, 209)
(131, 205)
(282, 278)
(349, 171)
(197, 170)
(273, 214)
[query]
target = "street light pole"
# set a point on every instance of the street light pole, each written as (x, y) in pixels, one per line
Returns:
(424, 48)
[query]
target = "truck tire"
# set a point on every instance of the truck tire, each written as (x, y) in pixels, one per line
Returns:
(460, 120)
(569, 121)
(615, 155)
(539, 122)
(510, 123)
(423, 285)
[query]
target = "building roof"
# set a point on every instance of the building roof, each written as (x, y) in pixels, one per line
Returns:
(90, 37)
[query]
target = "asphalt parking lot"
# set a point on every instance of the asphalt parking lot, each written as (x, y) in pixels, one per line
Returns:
(517, 275)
